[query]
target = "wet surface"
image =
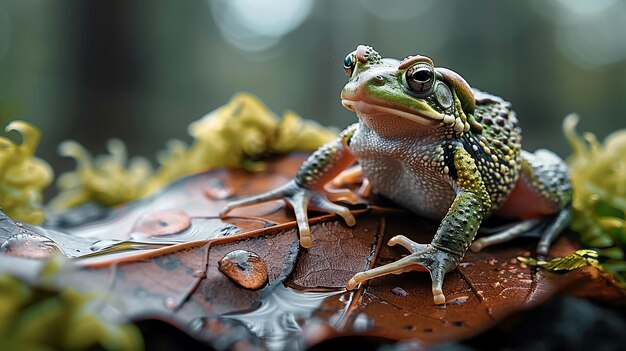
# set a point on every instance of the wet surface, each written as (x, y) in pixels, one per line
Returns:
(162, 223)
(172, 257)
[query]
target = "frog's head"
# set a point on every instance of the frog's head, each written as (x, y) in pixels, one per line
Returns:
(413, 89)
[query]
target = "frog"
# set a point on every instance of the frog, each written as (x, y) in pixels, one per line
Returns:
(430, 143)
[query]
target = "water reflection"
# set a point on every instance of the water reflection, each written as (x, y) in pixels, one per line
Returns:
(279, 319)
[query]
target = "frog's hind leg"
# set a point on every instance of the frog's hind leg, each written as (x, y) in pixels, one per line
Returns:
(549, 226)
(541, 197)
(559, 223)
(510, 233)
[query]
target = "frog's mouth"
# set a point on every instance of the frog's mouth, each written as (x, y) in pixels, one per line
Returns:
(366, 108)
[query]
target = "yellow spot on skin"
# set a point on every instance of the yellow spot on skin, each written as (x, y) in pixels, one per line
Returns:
(446, 170)
(487, 150)
(447, 119)
(474, 147)
(494, 158)
(458, 126)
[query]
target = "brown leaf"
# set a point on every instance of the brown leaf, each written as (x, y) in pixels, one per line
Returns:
(305, 291)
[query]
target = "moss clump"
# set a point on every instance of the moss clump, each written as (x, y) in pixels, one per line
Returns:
(235, 135)
(598, 172)
(42, 317)
(578, 259)
(23, 176)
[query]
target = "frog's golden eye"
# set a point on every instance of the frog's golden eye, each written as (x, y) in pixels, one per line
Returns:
(348, 63)
(420, 78)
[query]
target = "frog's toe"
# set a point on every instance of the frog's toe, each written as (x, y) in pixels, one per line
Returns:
(437, 275)
(345, 195)
(400, 266)
(365, 190)
(351, 175)
(299, 201)
(506, 235)
(406, 243)
(321, 203)
(439, 297)
(280, 192)
(560, 222)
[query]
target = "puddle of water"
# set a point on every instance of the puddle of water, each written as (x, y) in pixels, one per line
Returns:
(279, 319)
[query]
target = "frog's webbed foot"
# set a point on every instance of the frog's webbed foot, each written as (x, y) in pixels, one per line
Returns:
(299, 199)
(549, 226)
(436, 261)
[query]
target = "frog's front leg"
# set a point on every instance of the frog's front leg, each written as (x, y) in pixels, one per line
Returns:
(307, 187)
(454, 236)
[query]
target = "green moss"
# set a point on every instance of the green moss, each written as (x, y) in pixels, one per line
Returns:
(598, 172)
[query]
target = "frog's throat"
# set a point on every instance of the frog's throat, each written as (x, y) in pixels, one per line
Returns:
(425, 118)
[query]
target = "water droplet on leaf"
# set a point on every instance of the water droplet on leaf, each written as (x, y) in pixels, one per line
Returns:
(398, 291)
(458, 300)
(163, 223)
(216, 189)
(171, 304)
(245, 268)
(30, 245)
(362, 322)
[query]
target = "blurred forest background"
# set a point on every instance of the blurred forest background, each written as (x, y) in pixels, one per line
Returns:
(142, 70)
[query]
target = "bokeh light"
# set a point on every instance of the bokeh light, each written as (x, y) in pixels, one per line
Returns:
(590, 33)
(256, 25)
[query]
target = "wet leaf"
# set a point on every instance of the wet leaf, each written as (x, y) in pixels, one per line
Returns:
(169, 271)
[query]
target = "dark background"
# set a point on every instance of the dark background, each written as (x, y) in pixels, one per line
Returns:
(142, 71)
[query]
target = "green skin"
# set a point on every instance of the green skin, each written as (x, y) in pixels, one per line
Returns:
(428, 141)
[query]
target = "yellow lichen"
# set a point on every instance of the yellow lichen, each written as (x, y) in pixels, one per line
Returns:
(107, 180)
(235, 135)
(22, 176)
(578, 259)
(598, 173)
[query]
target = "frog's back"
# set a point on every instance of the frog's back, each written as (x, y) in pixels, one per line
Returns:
(495, 146)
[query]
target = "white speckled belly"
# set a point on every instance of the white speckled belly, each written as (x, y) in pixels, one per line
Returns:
(396, 169)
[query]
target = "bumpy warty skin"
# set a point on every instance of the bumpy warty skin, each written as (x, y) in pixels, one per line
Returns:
(415, 171)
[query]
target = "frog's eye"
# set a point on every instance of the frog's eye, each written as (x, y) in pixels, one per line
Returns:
(420, 78)
(348, 63)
